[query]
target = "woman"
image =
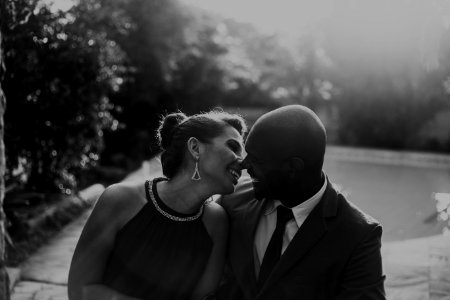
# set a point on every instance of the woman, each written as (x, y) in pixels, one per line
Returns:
(162, 239)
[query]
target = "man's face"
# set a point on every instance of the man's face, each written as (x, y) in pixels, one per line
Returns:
(264, 167)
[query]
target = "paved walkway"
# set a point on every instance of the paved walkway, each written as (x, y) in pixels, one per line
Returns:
(416, 269)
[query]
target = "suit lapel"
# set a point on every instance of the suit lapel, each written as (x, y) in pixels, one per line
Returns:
(311, 232)
(244, 266)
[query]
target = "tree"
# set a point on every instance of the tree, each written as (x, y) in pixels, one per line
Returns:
(4, 280)
(59, 76)
(148, 32)
(176, 58)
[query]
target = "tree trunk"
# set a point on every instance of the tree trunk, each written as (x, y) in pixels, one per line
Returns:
(4, 280)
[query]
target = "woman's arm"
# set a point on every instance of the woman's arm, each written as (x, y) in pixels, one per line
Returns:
(110, 213)
(99, 291)
(216, 222)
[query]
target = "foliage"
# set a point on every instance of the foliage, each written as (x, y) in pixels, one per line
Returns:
(209, 67)
(179, 57)
(386, 120)
(57, 81)
(390, 83)
(176, 58)
(390, 107)
(149, 33)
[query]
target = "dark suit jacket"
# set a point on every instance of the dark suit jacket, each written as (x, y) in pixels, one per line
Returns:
(334, 255)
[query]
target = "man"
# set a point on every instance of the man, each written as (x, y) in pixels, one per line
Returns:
(329, 248)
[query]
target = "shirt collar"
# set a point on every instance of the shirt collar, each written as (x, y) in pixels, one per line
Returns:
(303, 209)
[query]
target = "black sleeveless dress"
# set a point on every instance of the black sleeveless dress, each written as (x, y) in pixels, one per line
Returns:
(159, 254)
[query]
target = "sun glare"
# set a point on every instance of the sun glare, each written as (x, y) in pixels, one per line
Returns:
(388, 30)
(373, 32)
(287, 16)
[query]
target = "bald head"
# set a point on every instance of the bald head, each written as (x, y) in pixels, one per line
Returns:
(290, 131)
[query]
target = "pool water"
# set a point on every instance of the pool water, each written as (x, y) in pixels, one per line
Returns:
(400, 197)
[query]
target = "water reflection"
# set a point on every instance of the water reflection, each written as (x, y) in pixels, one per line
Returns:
(443, 209)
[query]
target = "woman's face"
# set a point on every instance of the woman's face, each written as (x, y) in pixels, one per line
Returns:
(219, 162)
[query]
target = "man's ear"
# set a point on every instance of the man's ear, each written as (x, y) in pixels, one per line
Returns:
(296, 167)
(193, 146)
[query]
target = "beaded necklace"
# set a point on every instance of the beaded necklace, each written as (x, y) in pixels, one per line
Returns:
(166, 214)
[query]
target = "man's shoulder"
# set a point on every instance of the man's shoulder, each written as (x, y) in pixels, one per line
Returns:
(347, 220)
(241, 196)
(353, 215)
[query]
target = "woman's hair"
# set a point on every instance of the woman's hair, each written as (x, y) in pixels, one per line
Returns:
(175, 129)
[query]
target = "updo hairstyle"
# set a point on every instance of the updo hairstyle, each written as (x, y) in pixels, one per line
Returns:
(176, 129)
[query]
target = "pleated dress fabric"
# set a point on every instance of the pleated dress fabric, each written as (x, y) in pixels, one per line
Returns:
(159, 254)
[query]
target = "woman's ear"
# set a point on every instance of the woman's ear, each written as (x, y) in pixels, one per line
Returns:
(296, 167)
(193, 146)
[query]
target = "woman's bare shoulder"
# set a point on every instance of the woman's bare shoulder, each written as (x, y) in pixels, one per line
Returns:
(121, 201)
(215, 218)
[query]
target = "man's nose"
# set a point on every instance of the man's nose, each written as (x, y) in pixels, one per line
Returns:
(245, 164)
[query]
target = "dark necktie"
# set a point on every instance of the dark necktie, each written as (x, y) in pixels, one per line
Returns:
(273, 251)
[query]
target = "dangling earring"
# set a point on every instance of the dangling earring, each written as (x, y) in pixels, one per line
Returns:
(196, 175)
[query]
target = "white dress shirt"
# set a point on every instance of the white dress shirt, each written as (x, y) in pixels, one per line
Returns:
(268, 221)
